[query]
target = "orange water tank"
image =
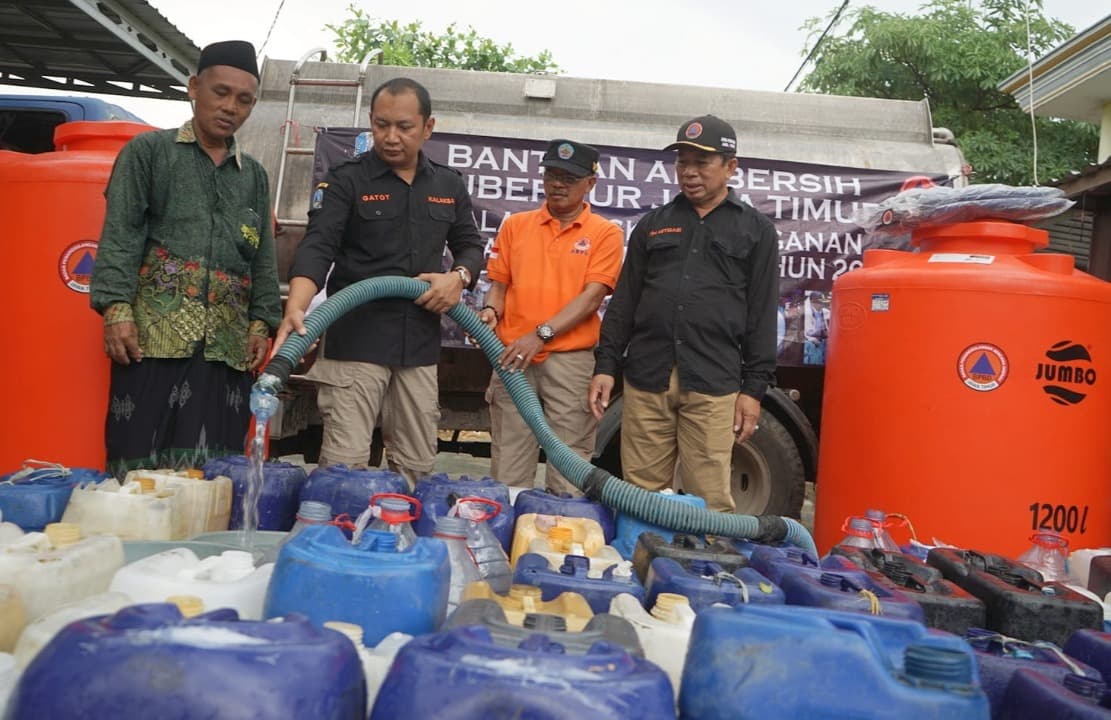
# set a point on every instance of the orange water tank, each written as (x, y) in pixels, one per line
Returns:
(968, 386)
(54, 371)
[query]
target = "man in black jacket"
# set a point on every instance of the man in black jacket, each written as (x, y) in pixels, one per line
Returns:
(390, 211)
(692, 325)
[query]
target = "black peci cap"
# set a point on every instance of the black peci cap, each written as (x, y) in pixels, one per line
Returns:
(578, 159)
(708, 133)
(238, 54)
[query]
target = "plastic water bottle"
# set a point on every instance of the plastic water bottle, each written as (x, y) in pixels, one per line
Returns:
(392, 514)
(859, 533)
(311, 512)
(1047, 555)
(884, 541)
(363, 142)
(464, 571)
(488, 553)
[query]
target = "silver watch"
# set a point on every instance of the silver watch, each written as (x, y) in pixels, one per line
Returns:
(545, 332)
(464, 274)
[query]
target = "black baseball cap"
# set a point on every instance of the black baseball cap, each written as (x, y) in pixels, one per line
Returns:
(578, 159)
(708, 133)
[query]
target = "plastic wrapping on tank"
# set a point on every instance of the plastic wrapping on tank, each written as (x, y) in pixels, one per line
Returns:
(924, 207)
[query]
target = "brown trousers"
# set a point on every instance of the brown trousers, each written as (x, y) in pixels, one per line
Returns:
(694, 430)
(351, 395)
(561, 382)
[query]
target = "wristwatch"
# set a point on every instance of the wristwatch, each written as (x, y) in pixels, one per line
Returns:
(464, 274)
(545, 332)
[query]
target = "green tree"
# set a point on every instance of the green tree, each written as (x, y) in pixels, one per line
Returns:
(954, 53)
(412, 45)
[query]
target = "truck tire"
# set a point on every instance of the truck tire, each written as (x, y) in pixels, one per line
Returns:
(768, 476)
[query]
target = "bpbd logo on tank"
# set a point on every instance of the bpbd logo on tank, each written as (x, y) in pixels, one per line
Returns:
(1067, 374)
(75, 265)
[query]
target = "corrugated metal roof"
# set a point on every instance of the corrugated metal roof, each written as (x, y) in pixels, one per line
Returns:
(119, 47)
(1088, 171)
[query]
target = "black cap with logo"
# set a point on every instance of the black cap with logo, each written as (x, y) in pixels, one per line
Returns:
(708, 133)
(576, 158)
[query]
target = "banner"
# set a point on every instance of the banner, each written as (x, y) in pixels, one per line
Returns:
(814, 208)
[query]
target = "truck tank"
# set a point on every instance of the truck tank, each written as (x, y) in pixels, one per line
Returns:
(839, 136)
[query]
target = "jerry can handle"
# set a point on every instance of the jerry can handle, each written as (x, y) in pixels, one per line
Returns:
(493, 507)
(413, 503)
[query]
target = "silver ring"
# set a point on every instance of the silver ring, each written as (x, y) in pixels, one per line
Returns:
(520, 356)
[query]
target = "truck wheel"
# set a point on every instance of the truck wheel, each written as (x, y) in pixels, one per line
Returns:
(768, 476)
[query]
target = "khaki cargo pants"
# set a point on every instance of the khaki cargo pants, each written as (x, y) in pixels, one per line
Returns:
(351, 395)
(693, 429)
(561, 382)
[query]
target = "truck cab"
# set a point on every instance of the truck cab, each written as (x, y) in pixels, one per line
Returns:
(27, 122)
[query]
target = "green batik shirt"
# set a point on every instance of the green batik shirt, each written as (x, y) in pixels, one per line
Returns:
(187, 250)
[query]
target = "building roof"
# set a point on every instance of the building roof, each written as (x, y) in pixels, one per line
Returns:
(1073, 81)
(1094, 179)
(119, 47)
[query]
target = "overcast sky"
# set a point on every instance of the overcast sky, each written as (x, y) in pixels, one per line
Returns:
(753, 44)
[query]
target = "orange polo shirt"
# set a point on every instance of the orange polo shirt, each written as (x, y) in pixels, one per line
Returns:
(544, 268)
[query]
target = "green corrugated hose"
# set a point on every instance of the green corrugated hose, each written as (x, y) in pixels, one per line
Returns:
(592, 481)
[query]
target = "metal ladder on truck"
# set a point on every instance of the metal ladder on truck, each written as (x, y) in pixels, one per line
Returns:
(296, 81)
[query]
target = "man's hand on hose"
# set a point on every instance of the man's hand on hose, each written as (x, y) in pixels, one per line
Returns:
(445, 292)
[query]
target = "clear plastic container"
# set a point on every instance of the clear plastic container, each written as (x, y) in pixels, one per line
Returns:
(311, 512)
(489, 555)
(880, 523)
(452, 531)
(13, 617)
(136, 510)
(58, 566)
(226, 580)
(38, 633)
(1048, 555)
(207, 502)
(860, 532)
(664, 633)
(395, 514)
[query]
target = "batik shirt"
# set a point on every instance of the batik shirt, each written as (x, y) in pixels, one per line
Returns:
(187, 249)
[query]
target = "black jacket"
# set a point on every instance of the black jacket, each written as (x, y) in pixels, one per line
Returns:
(699, 294)
(371, 223)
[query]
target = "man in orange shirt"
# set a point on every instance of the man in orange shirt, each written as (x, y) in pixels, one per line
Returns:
(549, 270)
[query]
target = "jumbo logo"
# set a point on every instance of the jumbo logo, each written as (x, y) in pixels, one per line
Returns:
(1068, 375)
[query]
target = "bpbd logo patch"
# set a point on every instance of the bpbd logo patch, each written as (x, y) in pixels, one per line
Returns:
(75, 266)
(983, 367)
(1068, 374)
